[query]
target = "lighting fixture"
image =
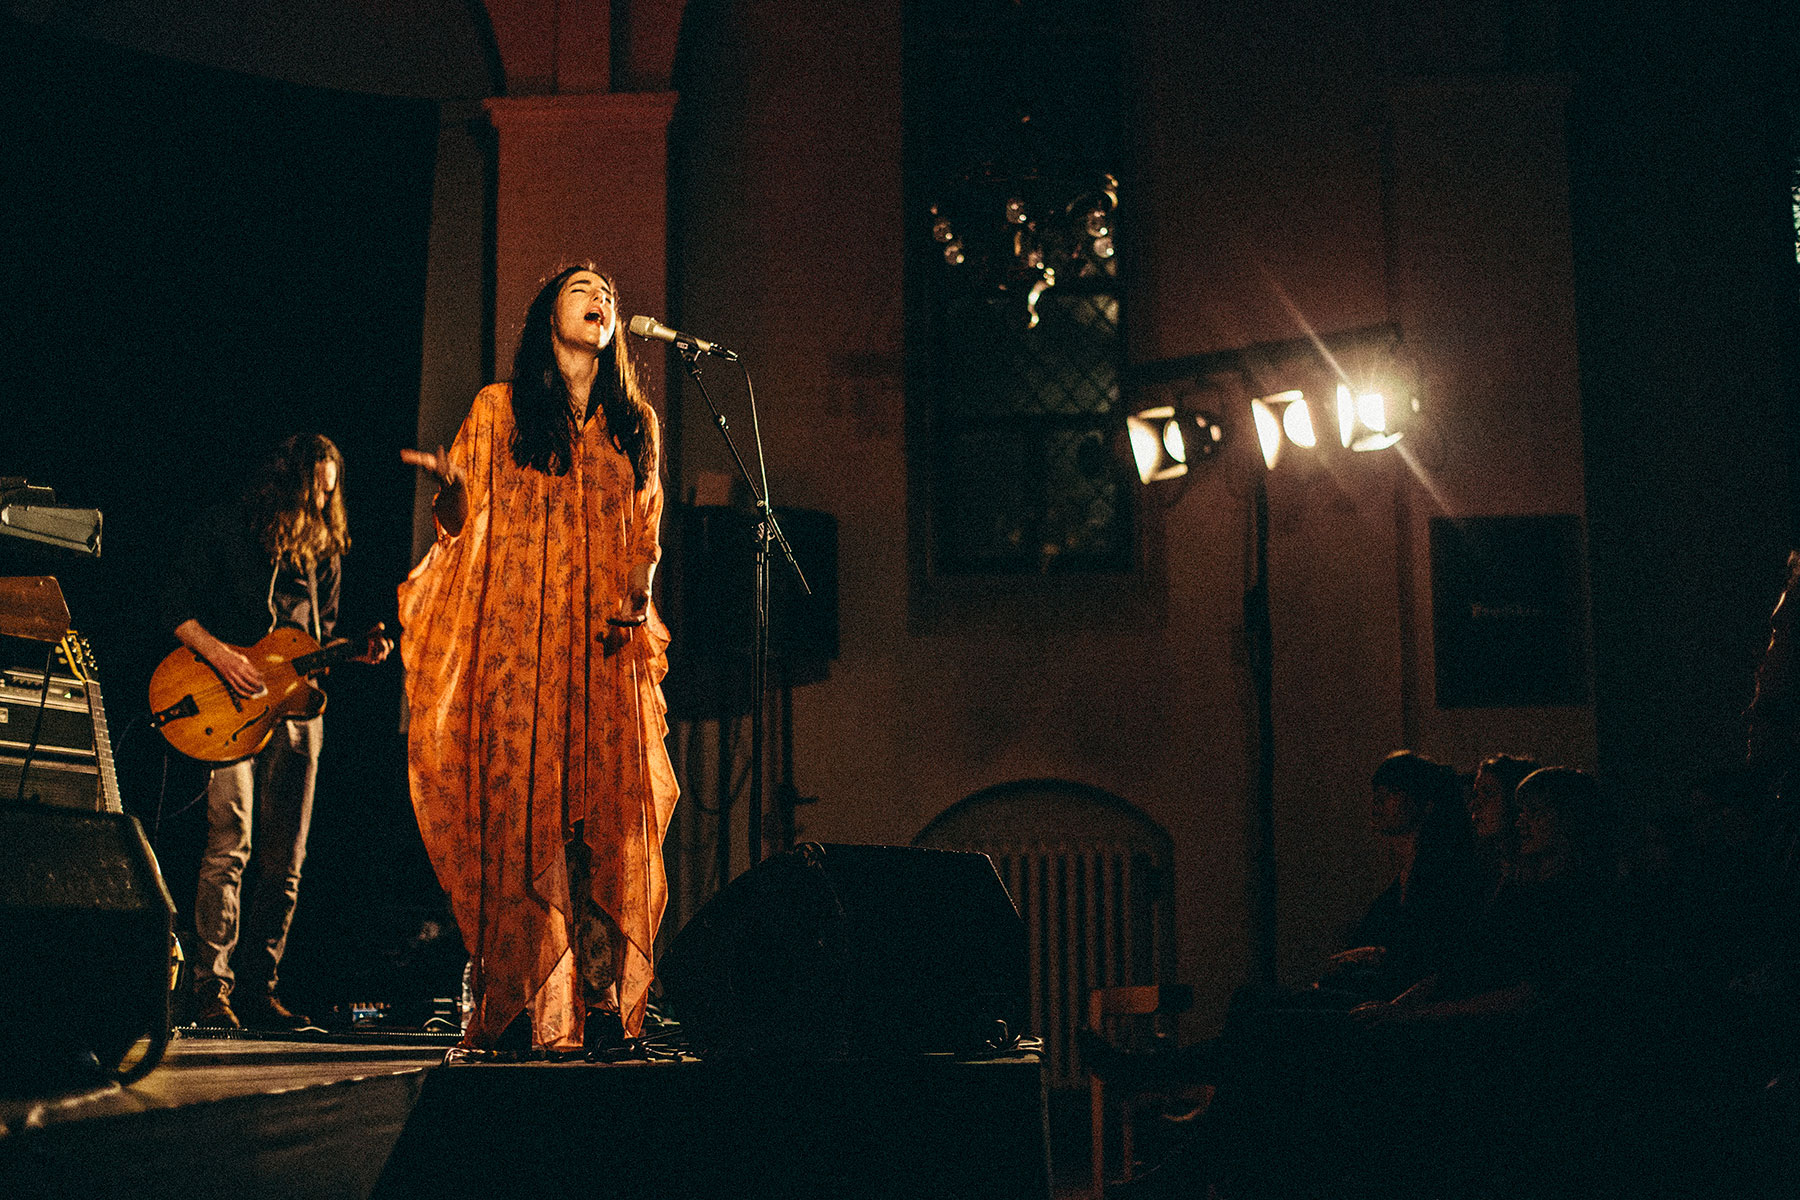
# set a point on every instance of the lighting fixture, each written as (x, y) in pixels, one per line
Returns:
(1164, 442)
(1278, 414)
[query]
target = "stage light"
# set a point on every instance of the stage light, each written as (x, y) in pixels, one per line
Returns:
(1283, 412)
(1157, 445)
(1364, 420)
(1296, 420)
(1164, 442)
(1370, 417)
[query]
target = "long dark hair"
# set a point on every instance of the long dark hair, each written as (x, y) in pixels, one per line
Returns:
(1584, 814)
(544, 427)
(1444, 852)
(283, 503)
(1507, 770)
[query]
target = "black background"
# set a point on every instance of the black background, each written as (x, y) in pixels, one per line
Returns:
(196, 263)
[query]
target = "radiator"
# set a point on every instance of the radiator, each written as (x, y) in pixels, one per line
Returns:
(1095, 916)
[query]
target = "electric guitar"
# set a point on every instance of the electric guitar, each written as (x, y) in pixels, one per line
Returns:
(74, 652)
(200, 716)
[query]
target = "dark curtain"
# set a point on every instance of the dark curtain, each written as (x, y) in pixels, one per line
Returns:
(194, 263)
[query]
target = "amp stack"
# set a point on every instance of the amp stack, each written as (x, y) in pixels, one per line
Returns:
(64, 763)
(87, 927)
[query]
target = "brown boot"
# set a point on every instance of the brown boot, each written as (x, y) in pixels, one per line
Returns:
(264, 1010)
(213, 1000)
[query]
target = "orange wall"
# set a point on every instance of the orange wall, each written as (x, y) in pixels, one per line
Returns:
(1255, 206)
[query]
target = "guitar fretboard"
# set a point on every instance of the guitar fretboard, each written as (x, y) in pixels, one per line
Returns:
(324, 660)
(109, 776)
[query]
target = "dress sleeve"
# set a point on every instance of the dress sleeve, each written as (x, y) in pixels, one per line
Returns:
(471, 452)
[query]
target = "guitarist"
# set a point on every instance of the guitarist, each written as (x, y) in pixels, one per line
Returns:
(270, 558)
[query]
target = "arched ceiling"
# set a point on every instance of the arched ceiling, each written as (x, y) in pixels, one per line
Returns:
(432, 49)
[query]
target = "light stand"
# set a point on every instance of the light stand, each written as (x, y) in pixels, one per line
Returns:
(768, 531)
(1259, 645)
(1171, 434)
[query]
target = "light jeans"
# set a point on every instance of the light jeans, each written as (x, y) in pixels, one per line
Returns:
(272, 795)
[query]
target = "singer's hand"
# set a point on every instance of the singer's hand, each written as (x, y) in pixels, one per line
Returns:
(635, 611)
(452, 502)
(439, 464)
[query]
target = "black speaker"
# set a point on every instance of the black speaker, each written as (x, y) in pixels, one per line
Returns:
(85, 927)
(71, 783)
(712, 606)
(851, 951)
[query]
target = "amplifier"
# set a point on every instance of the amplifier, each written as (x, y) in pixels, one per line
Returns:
(57, 781)
(67, 727)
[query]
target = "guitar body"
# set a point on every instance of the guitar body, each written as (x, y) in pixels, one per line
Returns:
(200, 717)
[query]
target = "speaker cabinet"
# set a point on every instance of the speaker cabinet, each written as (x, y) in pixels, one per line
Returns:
(85, 923)
(59, 717)
(712, 607)
(834, 951)
(70, 783)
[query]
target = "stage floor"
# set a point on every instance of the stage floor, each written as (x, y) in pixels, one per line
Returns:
(243, 1116)
(222, 1117)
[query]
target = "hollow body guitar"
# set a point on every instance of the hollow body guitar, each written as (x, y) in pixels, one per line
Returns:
(199, 716)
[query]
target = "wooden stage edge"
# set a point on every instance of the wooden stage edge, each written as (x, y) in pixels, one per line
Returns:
(229, 1117)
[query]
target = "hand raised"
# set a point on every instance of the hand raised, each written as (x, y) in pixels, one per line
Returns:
(439, 464)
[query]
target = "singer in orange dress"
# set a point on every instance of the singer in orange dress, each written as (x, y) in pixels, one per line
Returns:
(534, 662)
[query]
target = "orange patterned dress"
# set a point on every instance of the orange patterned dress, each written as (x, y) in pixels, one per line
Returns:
(525, 726)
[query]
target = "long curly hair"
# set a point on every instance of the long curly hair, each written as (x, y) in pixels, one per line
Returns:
(284, 502)
(544, 426)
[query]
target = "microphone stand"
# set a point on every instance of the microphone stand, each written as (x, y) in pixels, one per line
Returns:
(768, 530)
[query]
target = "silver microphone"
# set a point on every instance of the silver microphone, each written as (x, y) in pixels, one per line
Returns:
(650, 327)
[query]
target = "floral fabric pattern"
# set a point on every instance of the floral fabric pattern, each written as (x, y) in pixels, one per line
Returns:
(527, 724)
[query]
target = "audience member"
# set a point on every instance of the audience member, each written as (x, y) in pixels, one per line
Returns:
(1493, 811)
(1416, 806)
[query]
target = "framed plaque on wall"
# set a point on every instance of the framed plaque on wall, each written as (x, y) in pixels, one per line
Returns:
(1508, 606)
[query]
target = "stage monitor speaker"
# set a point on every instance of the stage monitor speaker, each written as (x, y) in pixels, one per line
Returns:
(85, 928)
(833, 951)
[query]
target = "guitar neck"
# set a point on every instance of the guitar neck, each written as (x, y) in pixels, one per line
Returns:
(320, 661)
(103, 753)
(80, 660)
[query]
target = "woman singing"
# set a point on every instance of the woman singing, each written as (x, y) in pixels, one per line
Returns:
(534, 661)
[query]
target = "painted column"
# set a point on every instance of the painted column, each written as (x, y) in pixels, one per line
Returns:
(582, 177)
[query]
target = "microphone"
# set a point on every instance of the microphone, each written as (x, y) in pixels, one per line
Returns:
(650, 327)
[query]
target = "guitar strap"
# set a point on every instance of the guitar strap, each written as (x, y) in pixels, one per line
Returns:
(315, 621)
(312, 592)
